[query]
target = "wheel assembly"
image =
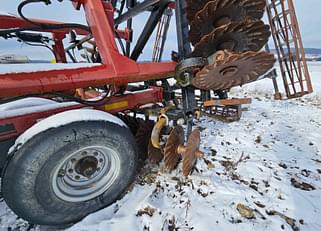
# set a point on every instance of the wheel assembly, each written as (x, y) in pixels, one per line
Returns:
(221, 12)
(228, 70)
(82, 167)
(237, 37)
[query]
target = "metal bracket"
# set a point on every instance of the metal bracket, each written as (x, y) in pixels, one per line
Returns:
(185, 69)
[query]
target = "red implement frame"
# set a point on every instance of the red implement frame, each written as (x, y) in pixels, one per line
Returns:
(12, 126)
(116, 69)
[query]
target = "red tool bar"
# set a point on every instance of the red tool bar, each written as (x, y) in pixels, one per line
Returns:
(18, 84)
(134, 100)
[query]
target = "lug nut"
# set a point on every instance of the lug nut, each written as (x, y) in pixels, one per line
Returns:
(61, 173)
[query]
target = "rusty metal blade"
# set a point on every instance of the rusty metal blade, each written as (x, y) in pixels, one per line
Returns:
(232, 69)
(194, 6)
(190, 156)
(237, 37)
(171, 155)
(219, 13)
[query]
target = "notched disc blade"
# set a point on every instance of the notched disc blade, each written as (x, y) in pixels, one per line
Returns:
(237, 37)
(221, 12)
(175, 139)
(194, 6)
(190, 157)
(231, 69)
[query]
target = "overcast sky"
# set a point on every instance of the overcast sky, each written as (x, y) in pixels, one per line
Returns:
(308, 12)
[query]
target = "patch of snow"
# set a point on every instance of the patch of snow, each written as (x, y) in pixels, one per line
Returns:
(64, 118)
(31, 67)
(24, 103)
(4, 13)
(12, 112)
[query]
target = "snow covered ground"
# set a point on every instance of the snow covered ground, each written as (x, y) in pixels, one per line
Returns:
(266, 167)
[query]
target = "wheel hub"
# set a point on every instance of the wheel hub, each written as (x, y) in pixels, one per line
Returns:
(87, 166)
(86, 174)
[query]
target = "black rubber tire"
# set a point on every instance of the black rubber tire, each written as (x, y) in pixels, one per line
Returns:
(131, 122)
(26, 182)
(4, 148)
(142, 137)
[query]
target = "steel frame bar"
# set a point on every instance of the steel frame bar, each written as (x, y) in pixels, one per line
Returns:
(130, 4)
(58, 48)
(139, 8)
(184, 50)
(161, 35)
(63, 80)
(150, 26)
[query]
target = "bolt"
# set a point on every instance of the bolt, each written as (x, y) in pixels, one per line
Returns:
(84, 153)
(61, 173)
(89, 172)
(95, 153)
(70, 170)
(77, 177)
(186, 75)
(101, 160)
(180, 121)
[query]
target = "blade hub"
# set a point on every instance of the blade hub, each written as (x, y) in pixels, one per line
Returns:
(229, 71)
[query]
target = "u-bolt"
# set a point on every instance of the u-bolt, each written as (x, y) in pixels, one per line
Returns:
(155, 137)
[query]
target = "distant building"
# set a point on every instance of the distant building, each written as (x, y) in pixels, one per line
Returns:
(11, 59)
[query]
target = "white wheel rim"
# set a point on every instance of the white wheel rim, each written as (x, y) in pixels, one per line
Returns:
(86, 174)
